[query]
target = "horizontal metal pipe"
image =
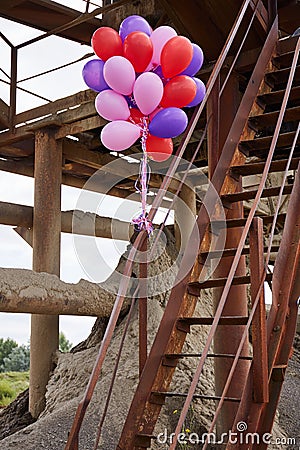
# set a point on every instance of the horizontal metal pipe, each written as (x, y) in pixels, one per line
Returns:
(76, 222)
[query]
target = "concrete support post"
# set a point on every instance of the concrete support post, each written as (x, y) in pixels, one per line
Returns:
(46, 258)
(228, 337)
(185, 212)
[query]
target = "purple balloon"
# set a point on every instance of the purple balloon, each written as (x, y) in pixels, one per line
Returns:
(92, 73)
(168, 123)
(200, 94)
(158, 71)
(196, 62)
(134, 23)
(130, 100)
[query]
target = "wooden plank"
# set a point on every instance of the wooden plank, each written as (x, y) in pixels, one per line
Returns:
(80, 126)
(78, 153)
(9, 151)
(4, 113)
(58, 105)
(55, 120)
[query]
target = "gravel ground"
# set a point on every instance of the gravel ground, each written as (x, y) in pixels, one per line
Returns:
(289, 411)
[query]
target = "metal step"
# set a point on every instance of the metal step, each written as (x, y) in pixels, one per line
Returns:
(257, 168)
(176, 356)
(284, 60)
(230, 252)
(276, 97)
(280, 77)
(269, 119)
(249, 195)
(235, 223)
(159, 397)
(195, 287)
(184, 323)
(287, 45)
(260, 146)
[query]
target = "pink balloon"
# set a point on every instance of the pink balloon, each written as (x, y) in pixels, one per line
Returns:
(159, 38)
(119, 74)
(119, 135)
(112, 106)
(148, 91)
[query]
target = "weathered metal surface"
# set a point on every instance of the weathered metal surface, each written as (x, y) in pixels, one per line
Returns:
(77, 222)
(259, 325)
(46, 258)
(13, 87)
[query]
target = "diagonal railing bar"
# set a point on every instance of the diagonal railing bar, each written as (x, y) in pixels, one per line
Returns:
(256, 300)
(238, 253)
(239, 49)
(124, 284)
(116, 366)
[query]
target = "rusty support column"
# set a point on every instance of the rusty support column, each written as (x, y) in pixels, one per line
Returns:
(259, 324)
(227, 338)
(46, 258)
(13, 87)
(185, 213)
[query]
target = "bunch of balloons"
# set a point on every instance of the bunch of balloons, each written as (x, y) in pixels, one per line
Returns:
(144, 78)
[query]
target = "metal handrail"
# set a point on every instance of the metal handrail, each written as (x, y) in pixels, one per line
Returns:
(124, 284)
(234, 265)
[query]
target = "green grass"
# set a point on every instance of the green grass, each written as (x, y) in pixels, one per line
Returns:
(11, 384)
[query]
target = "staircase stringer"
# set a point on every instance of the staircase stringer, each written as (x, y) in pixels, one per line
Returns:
(144, 409)
(282, 325)
(282, 319)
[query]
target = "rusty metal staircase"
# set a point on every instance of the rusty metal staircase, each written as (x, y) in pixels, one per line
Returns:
(276, 150)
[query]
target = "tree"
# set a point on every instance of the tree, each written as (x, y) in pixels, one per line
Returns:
(18, 359)
(64, 344)
(6, 347)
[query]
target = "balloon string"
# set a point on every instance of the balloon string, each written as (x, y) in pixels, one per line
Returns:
(142, 222)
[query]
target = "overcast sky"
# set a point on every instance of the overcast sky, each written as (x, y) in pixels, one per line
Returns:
(41, 56)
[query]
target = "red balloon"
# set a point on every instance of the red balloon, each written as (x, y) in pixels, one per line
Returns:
(159, 149)
(135, 116)
(176, 55)
(179, 92)
(138, 49)
(106, 43)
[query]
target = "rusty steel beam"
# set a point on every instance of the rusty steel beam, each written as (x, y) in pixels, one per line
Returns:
(259, 324)
(13, 88)
(46, 258)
